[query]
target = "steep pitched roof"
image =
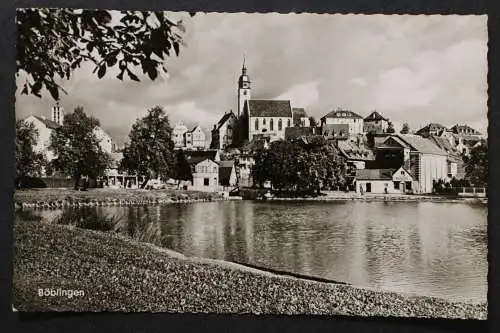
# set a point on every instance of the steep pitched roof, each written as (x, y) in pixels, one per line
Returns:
(48, 123)
(269, 108)
(224, 119)
(374, 174)
(442, 143)
(421, 144)
(375, 116)
(342, 114)
(194, 128)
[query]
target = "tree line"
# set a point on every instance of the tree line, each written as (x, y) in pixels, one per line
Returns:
(78, 153)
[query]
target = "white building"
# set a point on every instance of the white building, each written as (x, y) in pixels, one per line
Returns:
(178, 134)
(205, 175)
(340, 116)
(300, 118)
(384, 181)
(105, 140)
(197, 138)
(375, 123)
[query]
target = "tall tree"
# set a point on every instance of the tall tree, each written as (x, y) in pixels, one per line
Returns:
(182, 169)
(405, 129)
(76, 147)
(476, 165)
(28, 161)
(51, 43)
(390, 128)
(151, 149)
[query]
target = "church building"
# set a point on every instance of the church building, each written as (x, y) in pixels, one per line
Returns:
(262, 117)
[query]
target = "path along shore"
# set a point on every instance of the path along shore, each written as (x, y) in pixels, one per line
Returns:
(119, 274)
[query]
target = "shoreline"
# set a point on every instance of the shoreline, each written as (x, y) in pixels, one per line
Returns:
(120, 274)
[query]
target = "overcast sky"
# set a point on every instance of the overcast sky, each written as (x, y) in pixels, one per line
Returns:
(417, 69)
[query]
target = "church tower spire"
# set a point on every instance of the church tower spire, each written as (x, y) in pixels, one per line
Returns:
(243, 88)
(58, 113)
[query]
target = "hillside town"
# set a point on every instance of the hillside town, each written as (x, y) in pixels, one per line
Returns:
(377, 158)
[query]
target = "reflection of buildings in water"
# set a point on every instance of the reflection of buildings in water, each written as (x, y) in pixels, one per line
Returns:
(205, 230)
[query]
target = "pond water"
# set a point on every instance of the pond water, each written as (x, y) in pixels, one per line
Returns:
(422, 248)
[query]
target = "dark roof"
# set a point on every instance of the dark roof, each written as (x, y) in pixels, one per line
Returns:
(457, 128)
(295, 132)
(420, 144)
(342, 114)
(374, 116)
(224, 118)
(48, 123)
(269, 108)
(298, 113)
(194, 128)
(442, 143)
(374, 174)
(225, 170)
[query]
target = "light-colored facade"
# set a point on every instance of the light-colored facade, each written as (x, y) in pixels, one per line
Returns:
(44, 128)
(274, 127)
(206, 176)
(198, 138)
(339, 116)
(178, 135)
(375, 123)
(384, 181)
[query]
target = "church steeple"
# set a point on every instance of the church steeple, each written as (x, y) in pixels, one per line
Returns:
(243, 88)
(58, 113)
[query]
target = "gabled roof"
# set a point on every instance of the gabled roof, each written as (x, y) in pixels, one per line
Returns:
(48, 123)
(198, 159)
(374, 174)
(442, 143)
(194, 129)
(224, 119)
(375, 116)
(420, 144)
(269, 108)
(342, 114)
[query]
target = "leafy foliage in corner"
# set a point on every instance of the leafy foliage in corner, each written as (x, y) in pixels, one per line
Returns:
(28, 161)
(151, 149)
(182, 169)
(52, 43)
(476, 165)
(76, 147)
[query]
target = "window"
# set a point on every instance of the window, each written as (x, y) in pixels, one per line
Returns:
(290, 123)
(280, 125)
(256, 124)
(402, 173)
(396, 185)
(264, 121)
(215, 169)
(206, 181)
(244, 92)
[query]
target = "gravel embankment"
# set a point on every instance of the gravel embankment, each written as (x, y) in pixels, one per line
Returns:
(118, 274)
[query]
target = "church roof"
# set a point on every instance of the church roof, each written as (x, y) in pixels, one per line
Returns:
(48, 123)
(375, 116)
(224, 119)
(269, 108)
(342, 114)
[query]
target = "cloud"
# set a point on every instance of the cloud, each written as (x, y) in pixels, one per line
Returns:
(413, 69)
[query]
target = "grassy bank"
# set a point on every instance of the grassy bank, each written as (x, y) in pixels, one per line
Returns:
(48, 196)
(117, 274)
